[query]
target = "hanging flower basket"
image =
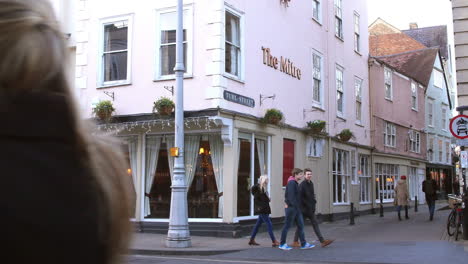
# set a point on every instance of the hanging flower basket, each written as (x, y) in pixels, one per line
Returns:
(103, 110)
(273, 116)
(316, 126)
(164, 106)
(345, 135)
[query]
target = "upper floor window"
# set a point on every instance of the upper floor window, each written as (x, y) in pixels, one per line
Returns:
(430, 151)
(414, 96)
(358, 87)
(430, 112)
(388, 84)
(389, 134)
(415, 141)
(441, 150)
(444, 117)
(339, 91)
(316, 9)
(317, 76)
(357, 45)
(233, 44)
(314, 147)
(166, 41)
(438, 78)
(338, 19)
(115, 51)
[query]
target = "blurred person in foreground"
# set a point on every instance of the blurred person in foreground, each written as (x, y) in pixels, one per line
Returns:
(62, 197)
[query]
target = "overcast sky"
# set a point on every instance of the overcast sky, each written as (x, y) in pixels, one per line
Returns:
(401, 12)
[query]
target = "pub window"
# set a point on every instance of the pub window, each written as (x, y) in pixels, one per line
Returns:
(341, 176)
(233, 44)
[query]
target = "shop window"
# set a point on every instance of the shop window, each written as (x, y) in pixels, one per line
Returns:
(364, 179)
(413, 182)
(248, 175)
(341, 176)
(129, 149)
(203, 169)
(386, 176)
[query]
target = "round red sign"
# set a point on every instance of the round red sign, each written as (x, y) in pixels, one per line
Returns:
(459, 126)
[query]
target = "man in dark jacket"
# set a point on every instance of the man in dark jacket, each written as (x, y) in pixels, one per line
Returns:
(429, 187)
(293, 211)
(308, 202)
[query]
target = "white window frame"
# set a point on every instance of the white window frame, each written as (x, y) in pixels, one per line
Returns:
(340, 89)
(440, 144)
(102, 23)
(318, 6)
(365, 178)
(388, 76)
(443, 114)
(431, 147)
(241, 62)
(358, 92)
(389, 173)
(389, 134)
(448, 151)
(438, 78)
(430, 113)
(344, 174)
(415, 141)
(316, 75)
(188, 26)
(414, 96)
(314, 147)
(357, 33)
(339, 19)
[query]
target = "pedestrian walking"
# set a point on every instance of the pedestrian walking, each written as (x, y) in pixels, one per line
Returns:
(429, 187)
(62, 192)
(262, 208)
(293, 211)
(402, 196)
(309, 202)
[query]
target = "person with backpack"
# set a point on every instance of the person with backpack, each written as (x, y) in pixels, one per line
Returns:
(429, 187)
(262, 208)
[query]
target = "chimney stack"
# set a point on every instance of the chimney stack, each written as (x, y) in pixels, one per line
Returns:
(413, 25)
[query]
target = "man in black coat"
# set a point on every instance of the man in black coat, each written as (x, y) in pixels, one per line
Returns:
(308, 205)
(429, 187)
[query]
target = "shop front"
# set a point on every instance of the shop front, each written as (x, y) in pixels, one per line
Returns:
(443, 175)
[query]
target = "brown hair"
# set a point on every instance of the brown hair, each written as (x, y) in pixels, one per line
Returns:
(296, 171)
(34, 58)
(307, 170)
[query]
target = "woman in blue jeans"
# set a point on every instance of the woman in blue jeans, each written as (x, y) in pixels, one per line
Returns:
(262, 208)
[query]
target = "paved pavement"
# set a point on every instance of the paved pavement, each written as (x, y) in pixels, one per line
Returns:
(372, 239)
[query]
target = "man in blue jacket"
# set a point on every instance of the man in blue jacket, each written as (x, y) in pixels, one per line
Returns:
(293, 211)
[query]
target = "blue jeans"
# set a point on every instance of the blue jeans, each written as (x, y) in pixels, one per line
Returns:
(293, 214)
(431, 205)
(263, 218)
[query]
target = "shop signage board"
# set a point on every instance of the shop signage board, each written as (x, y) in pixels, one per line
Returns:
(459, 126)
(239, 99)
(462, 142)
(464, 159)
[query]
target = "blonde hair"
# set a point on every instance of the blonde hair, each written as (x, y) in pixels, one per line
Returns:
(34, 58)
(262, 182)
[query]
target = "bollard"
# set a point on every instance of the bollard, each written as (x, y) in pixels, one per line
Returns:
(416, 203)
(351, 215)
(381, 206)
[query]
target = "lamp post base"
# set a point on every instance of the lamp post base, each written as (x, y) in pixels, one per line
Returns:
(181, 242)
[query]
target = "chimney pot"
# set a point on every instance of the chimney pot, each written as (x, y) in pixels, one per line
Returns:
(413, 25)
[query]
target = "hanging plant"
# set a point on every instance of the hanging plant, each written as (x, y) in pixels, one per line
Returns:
(316, 126)
(164, 106)
(273, 116)
(345, 135)
(103, 110)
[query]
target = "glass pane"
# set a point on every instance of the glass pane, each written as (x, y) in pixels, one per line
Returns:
(129, 180)
(203, 195)
(168, 59)
(160, 195)
(115, 66)
(169, 36)
(340, 101)
(232, 60)
(316, 90)
(243, 178)
(115, 36)
(232, 29)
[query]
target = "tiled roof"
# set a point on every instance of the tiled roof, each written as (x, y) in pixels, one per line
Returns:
(417, 64)
(387, 44)
(380, 26)
(431, 37)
